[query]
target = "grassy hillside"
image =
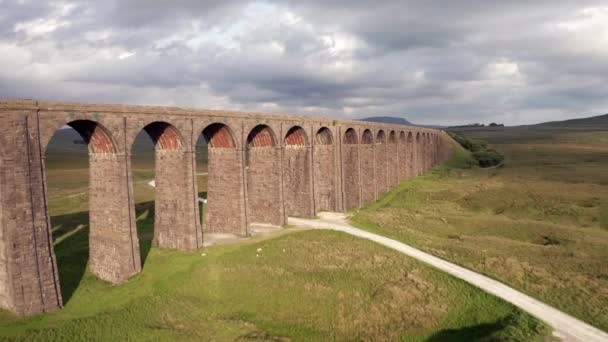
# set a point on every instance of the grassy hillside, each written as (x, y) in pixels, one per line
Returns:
(599, 122)
(540, 223)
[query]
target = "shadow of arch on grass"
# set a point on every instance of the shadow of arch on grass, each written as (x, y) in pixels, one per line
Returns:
(501, 330)
(71, 244)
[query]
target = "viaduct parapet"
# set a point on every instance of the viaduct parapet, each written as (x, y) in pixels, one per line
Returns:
(261, 169)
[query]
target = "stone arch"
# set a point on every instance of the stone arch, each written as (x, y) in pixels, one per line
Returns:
(220, 196)
(381, 163)
(367, 161)
(367, 137)
(381, 137)
(263, 177)
(176, 214)
(95, 135)
(324, 136)
(165, 136)
(350, 137)
(112, 255)
(296, 136)
(350, 170)
(297, 175)
(392, 137)
(261, 136)
(218, 135)
(324, 171)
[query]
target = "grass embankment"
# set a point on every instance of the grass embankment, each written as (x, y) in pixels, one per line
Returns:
(539, 224)
(308, 285)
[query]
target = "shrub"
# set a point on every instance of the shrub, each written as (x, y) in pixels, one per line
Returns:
(485, 157)
(488, 158)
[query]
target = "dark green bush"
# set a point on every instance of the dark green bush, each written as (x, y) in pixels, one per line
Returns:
(486, 157)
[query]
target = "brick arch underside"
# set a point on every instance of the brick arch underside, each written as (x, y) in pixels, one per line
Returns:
(350, 137)
(263, 176)
(164, 136)
(297, 174)
(296, 137)
(218, 136)
(367, 137)
(97, 137)
(176, 219)
(261, 136)
(324, 137)
(223, 212)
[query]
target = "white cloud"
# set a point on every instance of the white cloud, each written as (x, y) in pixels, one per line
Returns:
(126, 54)
(39, 27)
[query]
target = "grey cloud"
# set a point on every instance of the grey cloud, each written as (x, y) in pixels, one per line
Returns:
(427, 61)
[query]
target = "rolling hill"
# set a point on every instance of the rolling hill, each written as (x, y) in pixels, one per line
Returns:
(388, 120)
(599, 122)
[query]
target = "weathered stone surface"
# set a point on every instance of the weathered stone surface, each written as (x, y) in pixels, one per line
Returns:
(259, 172)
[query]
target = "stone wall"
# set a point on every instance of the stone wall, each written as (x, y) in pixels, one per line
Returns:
(350, 174)
(368, 179)
(297, 180)
(324, 182)
(264, 186)
(381, 169)
(224, 205)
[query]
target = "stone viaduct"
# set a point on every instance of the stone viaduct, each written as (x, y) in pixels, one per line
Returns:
(261, 168)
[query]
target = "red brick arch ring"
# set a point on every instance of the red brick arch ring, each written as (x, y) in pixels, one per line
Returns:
(402, 139)
(97, 137)
(296, 136)
(367, 137)
(218, 135)
(381, 137)
(350, 137)
(261, 136)
(164, 135)
(392, 137)
(324, 137)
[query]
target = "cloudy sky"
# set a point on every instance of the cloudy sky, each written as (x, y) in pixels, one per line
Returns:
(436, 62)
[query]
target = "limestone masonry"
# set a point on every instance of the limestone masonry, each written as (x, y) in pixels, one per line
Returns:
(262, 168)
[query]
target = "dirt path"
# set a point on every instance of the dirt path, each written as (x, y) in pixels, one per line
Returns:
(565, 326)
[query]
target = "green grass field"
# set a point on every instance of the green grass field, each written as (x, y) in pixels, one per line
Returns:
(539, 224)
(293, 286)
(300, 285)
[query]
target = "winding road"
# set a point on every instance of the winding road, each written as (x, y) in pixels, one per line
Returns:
(565, 327)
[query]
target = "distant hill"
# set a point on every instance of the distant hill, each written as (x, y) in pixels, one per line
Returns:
(599, 122)
(388, 120)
